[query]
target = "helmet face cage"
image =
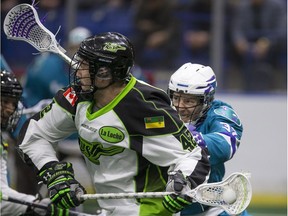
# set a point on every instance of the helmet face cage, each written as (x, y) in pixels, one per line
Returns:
(74, 80)
(195, 109)
(198, 81)
(112, 51)
(204, 103)
(14, 118)
(10, 90)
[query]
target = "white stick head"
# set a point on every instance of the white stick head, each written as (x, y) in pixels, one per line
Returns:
(233, 194)
(22, 23)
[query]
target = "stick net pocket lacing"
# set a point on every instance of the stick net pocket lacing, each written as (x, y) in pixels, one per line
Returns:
(22, 23)
(213, 194)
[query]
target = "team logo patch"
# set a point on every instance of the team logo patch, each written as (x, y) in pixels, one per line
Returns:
(113, 47)
(111, 134)
(228, 113)
(154, 122)
(94, 150)
(70, 95)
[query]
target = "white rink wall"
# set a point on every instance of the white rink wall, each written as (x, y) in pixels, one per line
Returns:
(263, 149)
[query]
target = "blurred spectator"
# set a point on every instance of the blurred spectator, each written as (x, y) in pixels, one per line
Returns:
(143, 74)
(6, 5)
(196, 22)
(52, 14)
(259, 41)
(157, 34)
(104, 16)
(196, 19)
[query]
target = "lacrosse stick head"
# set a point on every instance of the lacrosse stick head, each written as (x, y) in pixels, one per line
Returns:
(22, 23)
(213, 194)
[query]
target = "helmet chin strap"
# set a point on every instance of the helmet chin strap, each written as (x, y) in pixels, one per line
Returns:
(191, 116)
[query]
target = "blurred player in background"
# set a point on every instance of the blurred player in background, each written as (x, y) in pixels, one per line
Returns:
(213, 123)
(11, 93)
(128, 132)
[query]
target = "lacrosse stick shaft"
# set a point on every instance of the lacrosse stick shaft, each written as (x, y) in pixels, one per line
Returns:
(125, 195)
(65, 58)
(37, 205)
(36, 108)
(136, 195)
(210, 194)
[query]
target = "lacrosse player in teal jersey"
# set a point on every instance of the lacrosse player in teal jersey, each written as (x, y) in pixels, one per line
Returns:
(129, 135)
(213, 123)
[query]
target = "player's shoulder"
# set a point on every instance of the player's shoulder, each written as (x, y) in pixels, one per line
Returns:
(67, 99)
(150, 92)
(223, 110)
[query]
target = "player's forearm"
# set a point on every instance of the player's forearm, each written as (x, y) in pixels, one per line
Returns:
(195, 165)
(221, 146)
(39, 152)
(9, 208)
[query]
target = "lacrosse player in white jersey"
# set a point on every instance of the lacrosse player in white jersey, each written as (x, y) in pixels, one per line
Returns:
(11, 92)
(129, 134)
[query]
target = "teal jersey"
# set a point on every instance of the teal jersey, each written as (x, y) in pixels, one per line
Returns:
(221, 130)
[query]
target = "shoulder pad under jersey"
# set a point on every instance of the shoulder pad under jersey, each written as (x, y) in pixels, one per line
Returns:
(67, 99)
(228, 113)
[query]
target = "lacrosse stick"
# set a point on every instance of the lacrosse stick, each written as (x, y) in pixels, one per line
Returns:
(37, 205)
(232, 194)
(37, 107)
(22, 23)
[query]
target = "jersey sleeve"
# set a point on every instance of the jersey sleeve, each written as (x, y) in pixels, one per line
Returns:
(224, 134)
(10, 208)
(54, 123)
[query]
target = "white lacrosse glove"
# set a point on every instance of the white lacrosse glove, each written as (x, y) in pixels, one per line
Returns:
(178, 184)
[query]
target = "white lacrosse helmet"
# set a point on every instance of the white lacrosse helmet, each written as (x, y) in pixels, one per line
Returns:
(197, 80)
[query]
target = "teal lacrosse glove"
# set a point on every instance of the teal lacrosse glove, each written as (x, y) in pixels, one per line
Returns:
(63, 189)
(176, 202)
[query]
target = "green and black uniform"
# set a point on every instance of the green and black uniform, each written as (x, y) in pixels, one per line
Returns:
(128, 145)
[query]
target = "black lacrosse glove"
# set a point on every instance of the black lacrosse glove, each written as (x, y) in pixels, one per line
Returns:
(53, 210)
(176, 202)
(64, 191)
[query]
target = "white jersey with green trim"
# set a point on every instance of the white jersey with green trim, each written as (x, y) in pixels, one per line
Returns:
(10, 208)
(128, 145)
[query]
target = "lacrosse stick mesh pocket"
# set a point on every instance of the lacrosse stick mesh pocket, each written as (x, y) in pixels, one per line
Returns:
(212, 195)
(22, 23)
